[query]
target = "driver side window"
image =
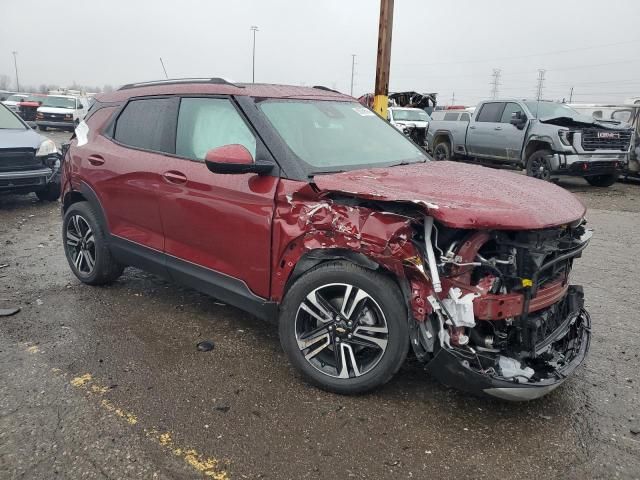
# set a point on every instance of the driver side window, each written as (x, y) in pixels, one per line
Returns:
(509, 110)
(207, 123)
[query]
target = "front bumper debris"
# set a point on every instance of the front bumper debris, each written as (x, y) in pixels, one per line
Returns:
(588, 164)
(455, 372)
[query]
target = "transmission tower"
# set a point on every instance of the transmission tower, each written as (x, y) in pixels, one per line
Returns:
(495, 83)
(540, 87)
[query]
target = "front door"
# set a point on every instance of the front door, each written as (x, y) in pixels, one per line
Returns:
(218, 222)
(511, 138)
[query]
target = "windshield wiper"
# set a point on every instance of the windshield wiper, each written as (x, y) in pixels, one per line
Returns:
(325, 172)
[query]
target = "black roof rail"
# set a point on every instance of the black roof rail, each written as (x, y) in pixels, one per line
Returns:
(327, 89)
(178, 81)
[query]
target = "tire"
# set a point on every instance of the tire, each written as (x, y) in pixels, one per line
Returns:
(92, 243)
(442, 151)
(602, 180)
(42, 128)
(50, 193)
(538, 165)
(360, 350)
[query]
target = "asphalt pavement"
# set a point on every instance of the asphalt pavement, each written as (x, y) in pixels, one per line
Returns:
(107, 382)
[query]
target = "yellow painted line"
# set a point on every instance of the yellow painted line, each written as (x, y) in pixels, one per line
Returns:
(81, 380)
(207, 466)
(129, 417)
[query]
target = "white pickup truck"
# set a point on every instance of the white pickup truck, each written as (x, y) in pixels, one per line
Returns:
(548, 139)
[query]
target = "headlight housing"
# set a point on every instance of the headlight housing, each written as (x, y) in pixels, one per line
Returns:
(566, 137)
(47, 147)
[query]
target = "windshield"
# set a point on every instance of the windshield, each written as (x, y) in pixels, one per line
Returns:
(410, 115)
(336, 136)
(550, 110)
(8, 121)
(34, 98)
(59, 102)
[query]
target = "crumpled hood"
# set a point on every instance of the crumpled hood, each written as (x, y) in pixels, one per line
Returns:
(463, 196)
(584, 121)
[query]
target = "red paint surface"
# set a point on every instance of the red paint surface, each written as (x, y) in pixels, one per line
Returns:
(464, 196)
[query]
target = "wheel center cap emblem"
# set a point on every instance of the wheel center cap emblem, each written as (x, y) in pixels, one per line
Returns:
(340, 330)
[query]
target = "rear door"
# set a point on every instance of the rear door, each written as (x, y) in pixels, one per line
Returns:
(217, 227)
(511, 138)
(484, 129)
(124, 169)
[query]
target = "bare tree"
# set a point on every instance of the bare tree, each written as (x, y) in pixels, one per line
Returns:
(43, 88)
(5, 81)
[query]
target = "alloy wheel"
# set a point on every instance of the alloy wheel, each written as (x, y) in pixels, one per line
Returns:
(440, 153)
(341, 330)
(80, 243)
(540, 168)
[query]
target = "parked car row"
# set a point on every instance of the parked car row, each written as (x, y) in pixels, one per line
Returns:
(49, 111)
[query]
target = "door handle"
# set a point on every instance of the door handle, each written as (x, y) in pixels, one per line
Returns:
(95, 160)
(472, 127)
(498, 128)
(174, 177)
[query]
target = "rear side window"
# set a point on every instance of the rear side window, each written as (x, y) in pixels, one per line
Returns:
(147, 124)
(207, 123)
(465, 117)
(490, 112)
(451, 116)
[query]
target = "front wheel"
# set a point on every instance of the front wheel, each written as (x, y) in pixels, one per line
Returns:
(602, 180)
(344, 327)
(442, 151)
(538, 165)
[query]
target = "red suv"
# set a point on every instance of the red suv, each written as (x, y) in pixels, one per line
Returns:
(301, 205)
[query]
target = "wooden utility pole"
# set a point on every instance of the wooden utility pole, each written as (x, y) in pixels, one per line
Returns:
(381, 91)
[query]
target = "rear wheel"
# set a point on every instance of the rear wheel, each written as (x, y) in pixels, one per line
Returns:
(86, 248)
(602, 180)
(442, 151)
(538, 165)
(344, 327)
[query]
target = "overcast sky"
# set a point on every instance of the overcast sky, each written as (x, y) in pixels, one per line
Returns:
(442, 46)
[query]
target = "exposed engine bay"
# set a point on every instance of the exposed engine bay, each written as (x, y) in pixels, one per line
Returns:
(505, 310)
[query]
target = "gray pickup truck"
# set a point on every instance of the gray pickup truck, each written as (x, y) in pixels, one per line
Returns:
(547, 139)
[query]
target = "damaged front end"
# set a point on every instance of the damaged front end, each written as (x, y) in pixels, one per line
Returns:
(490, 309)
(506, 323)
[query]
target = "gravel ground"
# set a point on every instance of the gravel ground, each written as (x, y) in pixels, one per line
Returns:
(107, 382)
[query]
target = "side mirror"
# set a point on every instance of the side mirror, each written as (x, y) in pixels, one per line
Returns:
(234, 158)
(518, 119)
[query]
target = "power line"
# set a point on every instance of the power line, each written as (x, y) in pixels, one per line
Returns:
(515, 57)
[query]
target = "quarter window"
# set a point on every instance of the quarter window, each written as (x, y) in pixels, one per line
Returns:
(207, 123)
(147, 124)
(490, 112)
